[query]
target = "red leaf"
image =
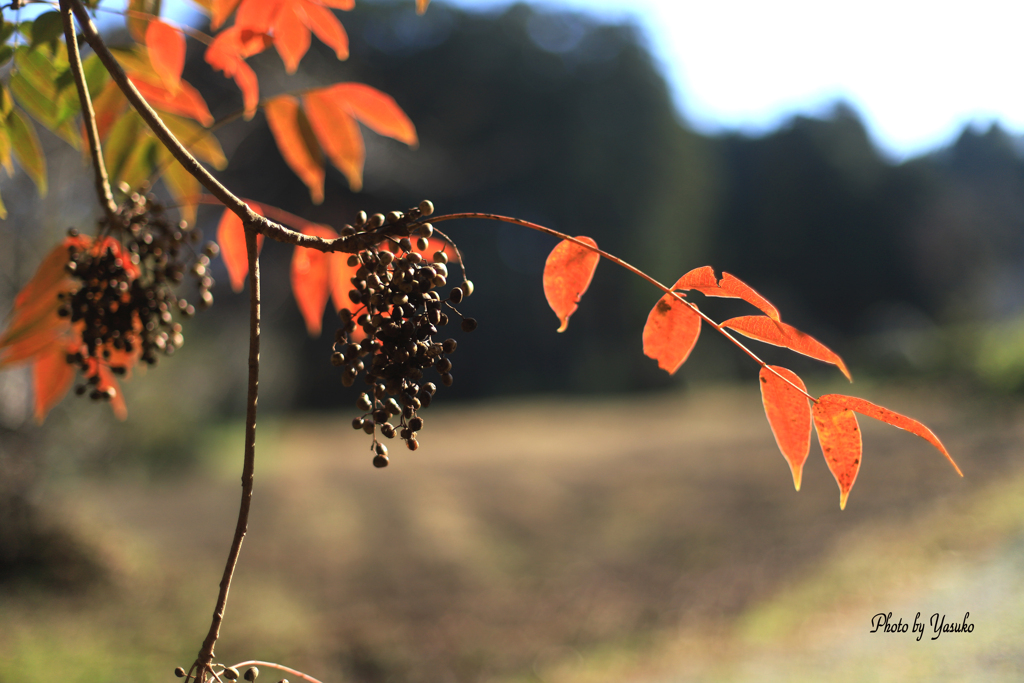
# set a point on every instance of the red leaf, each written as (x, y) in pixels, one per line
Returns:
(311, 280)
(326, 27)
(52, 376)
(231, 238)
(338, 135)
(222, 9)
(764, 329)
(741, 290)
(186, 102)
(297, 143)
(671, 333)
(567, 274)
(789, 416)
(228, 52)
(166, 53)
(291, 36)
(889, 417)
(701, 279)
(839, 436)
(376, 110)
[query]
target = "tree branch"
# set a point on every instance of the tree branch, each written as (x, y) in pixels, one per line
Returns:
(205, 658)
(631, 268)
(103, 193)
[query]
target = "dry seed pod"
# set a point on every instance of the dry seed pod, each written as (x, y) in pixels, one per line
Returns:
(230, 673)
(251, 673)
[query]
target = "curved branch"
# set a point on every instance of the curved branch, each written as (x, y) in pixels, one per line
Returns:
(103, 193)
(631, 268)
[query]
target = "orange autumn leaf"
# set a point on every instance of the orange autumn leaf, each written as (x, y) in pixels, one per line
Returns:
(166, 47)
(567, 274)
(339, 136)
(671, 333)
(764, 329)
(839, 436)
(704, 281)
(186, 102)
(376, 110)
(220, 10)
(297, 143)
(701, 279)
(52, 376)
(311, 280)
(291, 22)
(741, 290)
(107, 382)
(421, 6)
(228, 53)
(889, 417)
(231, 238)
(789, 416)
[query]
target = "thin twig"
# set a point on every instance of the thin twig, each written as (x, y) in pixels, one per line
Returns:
(103, 193)
(271, 665)
(206, 653)
(633, 269)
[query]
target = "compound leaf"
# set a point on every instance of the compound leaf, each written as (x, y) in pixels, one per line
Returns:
(789, 415)
(567, 274)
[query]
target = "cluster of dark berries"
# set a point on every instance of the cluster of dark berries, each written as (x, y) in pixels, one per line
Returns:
(390, 336)
(125, 304)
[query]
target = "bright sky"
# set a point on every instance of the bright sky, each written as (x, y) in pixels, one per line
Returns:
(916, 70)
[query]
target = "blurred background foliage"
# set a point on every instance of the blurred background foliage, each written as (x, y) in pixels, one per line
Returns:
(912, 271)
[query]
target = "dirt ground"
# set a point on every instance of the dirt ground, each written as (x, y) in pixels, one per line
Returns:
(645, 539)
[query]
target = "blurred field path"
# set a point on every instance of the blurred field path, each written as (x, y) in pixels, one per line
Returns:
(654, 538)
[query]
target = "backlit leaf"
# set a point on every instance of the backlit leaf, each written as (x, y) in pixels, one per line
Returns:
(376, 110)
(108, 105)
(186, 102)
(789, 415)
(421, 6)
(671, 333)
(122, 139)
(47, 27)
(567, 274)
(5, 148)
(141, 162)
(764, 329)
(310, 274)
(198, 140)
(701, 279)
(297, 143)
(291, 36)
(741, 290)
(231, 238)
(27, 150)
(338, 135)
(228, 52)
(889, 417)
(839, 436)
(166, 53)
(183, 186)
(327, 28)
(52, 376)
(220, 11)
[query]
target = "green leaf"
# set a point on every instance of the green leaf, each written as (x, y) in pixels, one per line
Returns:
(142, 161)
(5, 148)
(47, 26)
(27, 149)
(3, 210)
(6, 52)
(96, 75)
(42, 90)
(201, 142)
(184, 188)
(7, 30)
(124, 135)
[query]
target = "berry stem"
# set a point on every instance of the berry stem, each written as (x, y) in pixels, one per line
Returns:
(103, 193)
(271, 665)
(633, 269)
(248, 467)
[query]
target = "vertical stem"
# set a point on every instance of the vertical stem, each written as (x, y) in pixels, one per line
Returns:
(206, 653)
(103, 192)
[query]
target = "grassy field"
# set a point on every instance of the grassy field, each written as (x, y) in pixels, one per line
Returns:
(649, 539)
